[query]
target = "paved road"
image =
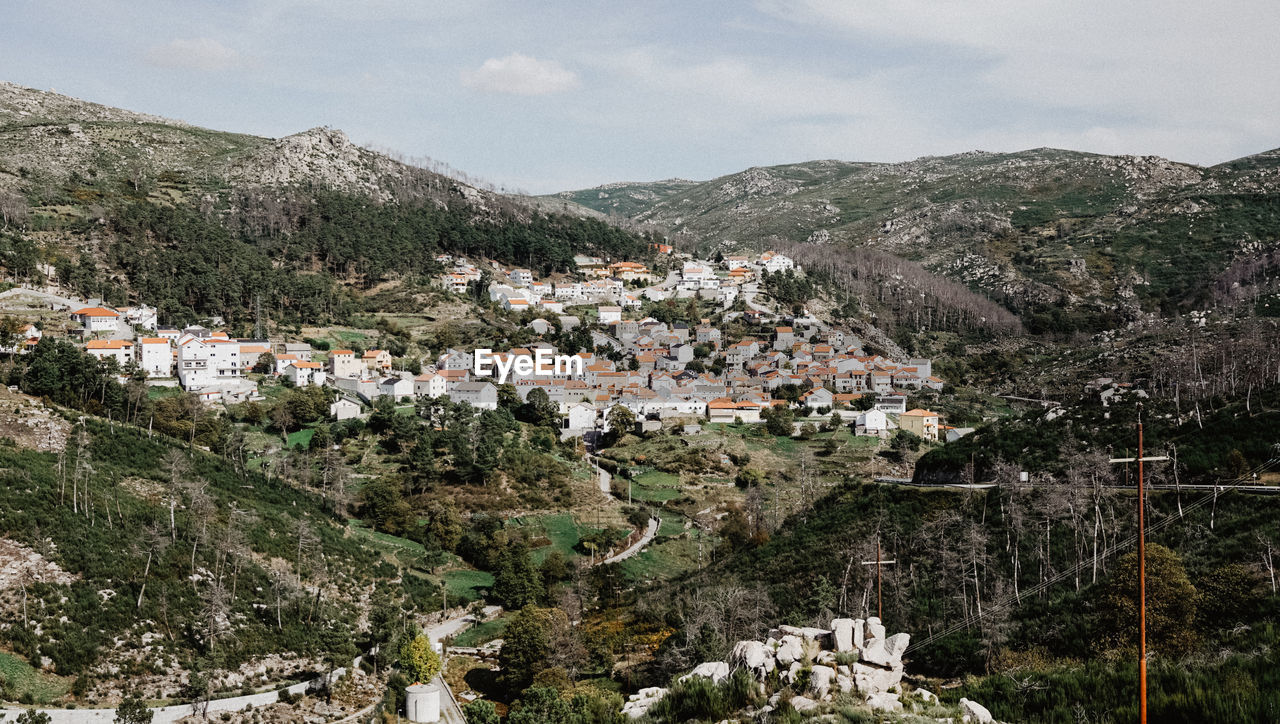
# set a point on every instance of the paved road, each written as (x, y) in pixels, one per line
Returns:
(639, 545)
(167, 714)
(450, 710)
(604, 479)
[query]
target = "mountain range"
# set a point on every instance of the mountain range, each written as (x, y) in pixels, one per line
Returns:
(1104, 239)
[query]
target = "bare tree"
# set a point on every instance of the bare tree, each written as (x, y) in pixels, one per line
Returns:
(153, 542)
(177, 468)
(214, 612)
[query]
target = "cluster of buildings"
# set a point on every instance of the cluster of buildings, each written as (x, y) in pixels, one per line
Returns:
(663, 371)
(659, 371)
(615, 284)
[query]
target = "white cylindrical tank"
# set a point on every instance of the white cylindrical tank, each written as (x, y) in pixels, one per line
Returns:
(422, 703)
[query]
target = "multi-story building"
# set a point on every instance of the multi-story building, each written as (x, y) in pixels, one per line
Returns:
(208, 361)
(155, 356)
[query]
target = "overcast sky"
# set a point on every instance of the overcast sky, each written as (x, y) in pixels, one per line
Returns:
(561, 94)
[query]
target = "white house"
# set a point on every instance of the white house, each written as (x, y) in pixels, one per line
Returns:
(818, 397)
(482, 395)
(141, 316)
(774, 263)
(579, 417)
(283, 361)
(97, 319)
(568, 291)
(27, 338)
(155, 356)
(396, 388)
(893, 404)
(454, 359)
(120, 350)
(202, 362)
(344, 409)
(521, 277)
(609, 315)
(343, 363)
(872, 422)
(429, 384)
(303, 374)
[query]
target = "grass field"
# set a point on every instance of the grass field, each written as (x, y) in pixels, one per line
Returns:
(483, 633)
(561, 529)
(655, 486)
(465, 583)
(301, 438)
(671, 525)
(157, 392)
(23, 679)
(667, 559)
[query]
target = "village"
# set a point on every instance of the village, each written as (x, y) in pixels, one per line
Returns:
(677, 374)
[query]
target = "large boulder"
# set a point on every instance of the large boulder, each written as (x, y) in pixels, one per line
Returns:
(927, 696)
(808, 633)
(820, 680)
(844, 682)
(638, 703)
(875, 629)
(873, 679)
(842, 635)
(790, 648)
(755, 657)
(886, 651)
(717, 671)
(975, 712)
(803, 704)
(884, 701)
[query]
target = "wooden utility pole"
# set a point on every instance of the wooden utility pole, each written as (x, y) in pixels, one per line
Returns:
(1142, 574)
(878, 563)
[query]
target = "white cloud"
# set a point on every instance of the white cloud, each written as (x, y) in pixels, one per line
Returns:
(204, 54)
(520, 75)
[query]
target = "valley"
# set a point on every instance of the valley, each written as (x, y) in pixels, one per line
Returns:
(268, 433)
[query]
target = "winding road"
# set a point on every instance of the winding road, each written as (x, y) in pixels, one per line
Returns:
(638, 546)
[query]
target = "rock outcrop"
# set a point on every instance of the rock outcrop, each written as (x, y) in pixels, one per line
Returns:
(638, 703)
(852, 656)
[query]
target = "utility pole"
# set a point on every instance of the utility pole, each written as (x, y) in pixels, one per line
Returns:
(878, 563)
(1142, 573)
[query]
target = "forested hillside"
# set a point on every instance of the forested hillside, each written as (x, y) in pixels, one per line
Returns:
(162, 559)
(1011, 589)
(222, 224)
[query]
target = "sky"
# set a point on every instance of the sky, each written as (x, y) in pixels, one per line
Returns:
(567, 94)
